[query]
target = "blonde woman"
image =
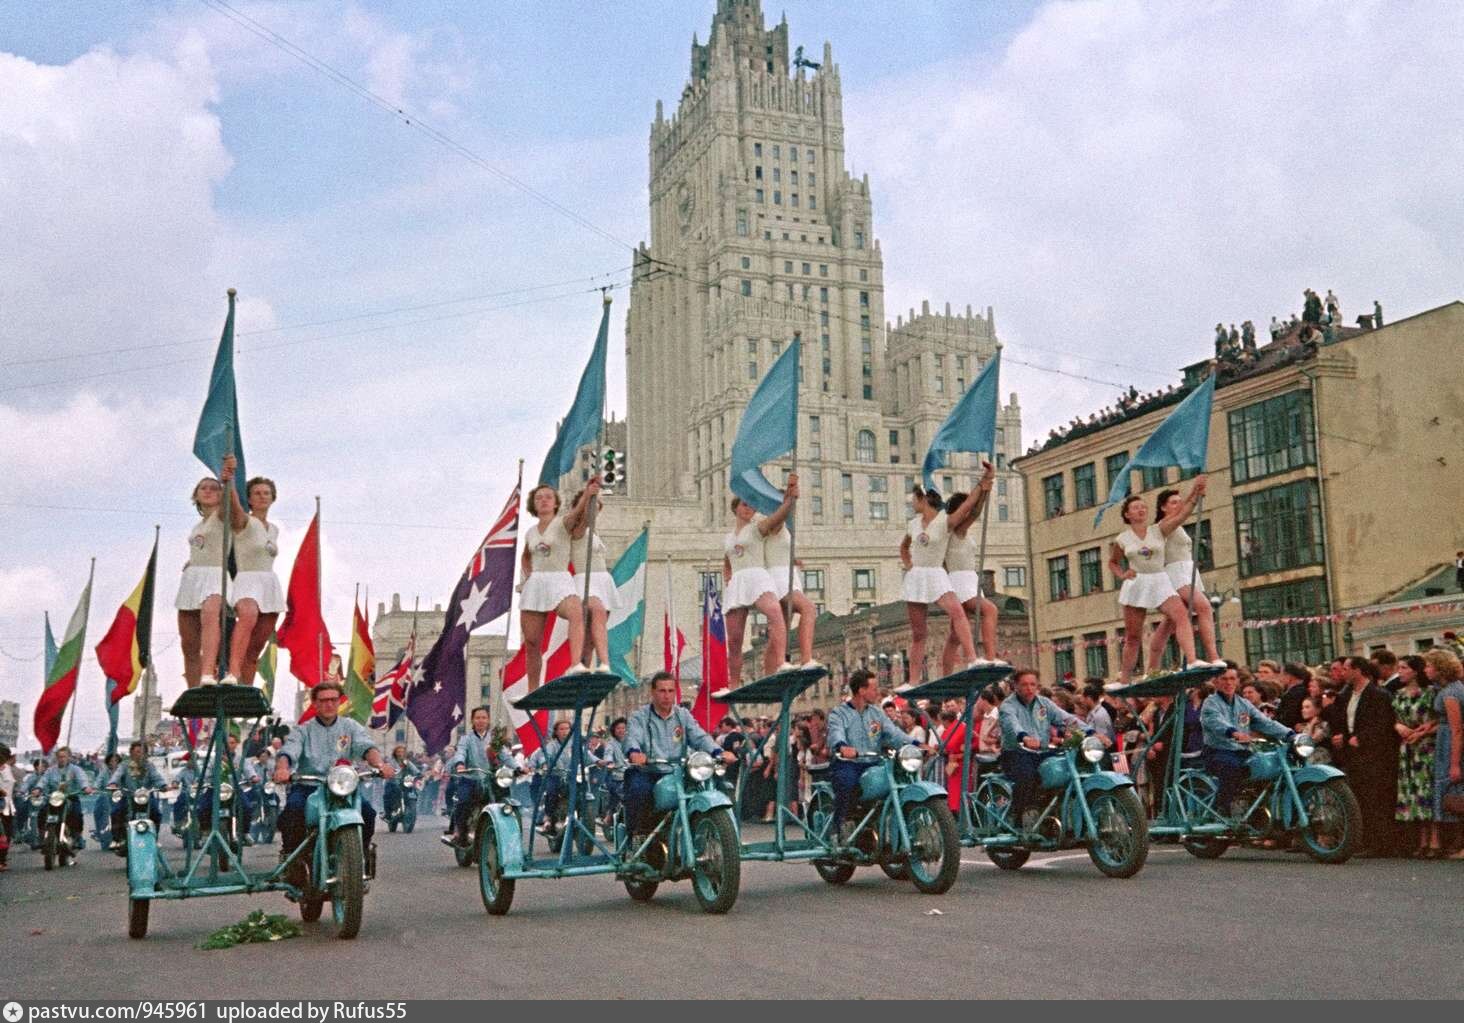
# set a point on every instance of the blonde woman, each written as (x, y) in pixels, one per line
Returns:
(200, 599)
(1179, 565)
(748, 584)
(923, 555)
(603, 596)
(1443, 669)
(255, 593)
(777, 553)
(548, 586)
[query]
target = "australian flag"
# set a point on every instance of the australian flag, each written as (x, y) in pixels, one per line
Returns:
(436, 703)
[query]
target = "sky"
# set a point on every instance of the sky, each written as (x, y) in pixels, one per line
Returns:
(1112, 176)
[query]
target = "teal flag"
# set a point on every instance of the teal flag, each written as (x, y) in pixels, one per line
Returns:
(586, 415)
(1181, 440)
(51, 649)
(624, 626)
(218, 427)
(768, 430)
(971, 426)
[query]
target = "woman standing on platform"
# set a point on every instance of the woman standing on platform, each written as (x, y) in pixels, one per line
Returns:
(548, 585)
(777, 552)
(960, 563)
(1146, 586)
(1179, 565)
(923, 553)
(749, 584)
(199, 597)
(255, 593)
(603, 595)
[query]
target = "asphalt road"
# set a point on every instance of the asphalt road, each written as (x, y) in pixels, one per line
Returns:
(1255, 924)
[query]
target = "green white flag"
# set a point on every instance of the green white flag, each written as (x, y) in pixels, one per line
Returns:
(625, 621)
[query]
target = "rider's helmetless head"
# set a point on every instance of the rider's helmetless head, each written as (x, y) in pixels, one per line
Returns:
(663, 692)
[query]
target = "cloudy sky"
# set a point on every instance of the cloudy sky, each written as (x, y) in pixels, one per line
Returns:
(1112, 176)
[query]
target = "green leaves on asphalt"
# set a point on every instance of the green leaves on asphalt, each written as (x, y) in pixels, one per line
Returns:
(254, 928)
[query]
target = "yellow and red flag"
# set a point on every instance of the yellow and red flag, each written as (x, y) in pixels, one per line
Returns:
(360, 671)
(124, 651)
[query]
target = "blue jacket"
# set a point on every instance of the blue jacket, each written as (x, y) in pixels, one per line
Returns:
(1019, 720)
(1221, 718)
(73, 776)
(129, 780)
(868, 731)
(472, 752)
(666, 738)
(314, 747)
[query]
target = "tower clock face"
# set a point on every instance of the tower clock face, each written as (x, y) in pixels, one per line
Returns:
(685, 205)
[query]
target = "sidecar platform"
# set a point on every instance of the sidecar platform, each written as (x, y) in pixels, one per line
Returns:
(570, 692)
(959, 685)
(1171, 684)
(221, 701)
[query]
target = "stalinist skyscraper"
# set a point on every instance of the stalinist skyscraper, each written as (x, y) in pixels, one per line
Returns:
(759, 232)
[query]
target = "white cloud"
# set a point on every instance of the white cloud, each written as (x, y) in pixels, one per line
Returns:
(1126, 174)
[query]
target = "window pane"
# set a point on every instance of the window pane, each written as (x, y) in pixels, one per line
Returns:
(1272, 436)
(1057, 577)
(1052, 495)
(1309, 642)
(1279, 528)
(1090, 570)
(1085, 486)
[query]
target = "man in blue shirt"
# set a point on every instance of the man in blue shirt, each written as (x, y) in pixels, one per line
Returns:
(465, 791)
(661, 730)
(1027, 719)
(858, 727)
(136, 772)
(1229, 723)
(73, 779)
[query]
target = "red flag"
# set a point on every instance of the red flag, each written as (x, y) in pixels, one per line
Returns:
(554, 645)
(673, 660)
(303, 632)
(706, 710)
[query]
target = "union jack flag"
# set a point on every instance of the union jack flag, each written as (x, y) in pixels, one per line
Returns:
(390, 697)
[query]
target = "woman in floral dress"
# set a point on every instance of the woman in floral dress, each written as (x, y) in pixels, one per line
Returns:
(1416, 724)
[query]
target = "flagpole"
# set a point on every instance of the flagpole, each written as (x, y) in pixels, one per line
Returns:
(226, 523)
(1194, 569)
(590, 526)
(640, 641)
(512, 584)
(77, 686)
(671, 629)
(788, 521)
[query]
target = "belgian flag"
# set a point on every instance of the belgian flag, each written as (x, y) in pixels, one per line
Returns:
(125, 650)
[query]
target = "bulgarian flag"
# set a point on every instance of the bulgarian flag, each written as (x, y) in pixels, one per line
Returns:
(361, 671)
(61, 679)
(124, 651)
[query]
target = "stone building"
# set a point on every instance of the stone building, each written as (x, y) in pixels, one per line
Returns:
(1334, 484)
(9, 723)
(759, 233)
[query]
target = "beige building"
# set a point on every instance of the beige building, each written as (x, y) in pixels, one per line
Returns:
(9, 723)
(1415, 618)
(759, 232)
(1334, 483)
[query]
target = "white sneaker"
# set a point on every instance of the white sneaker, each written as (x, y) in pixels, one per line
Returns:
(722, 694)
(785, 666)
(904, 687)
(229, 680)
(208, 680)
(981, 662)
(809, 665)
(578, 669)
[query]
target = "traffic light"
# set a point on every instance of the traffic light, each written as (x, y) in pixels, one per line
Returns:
(612, 468)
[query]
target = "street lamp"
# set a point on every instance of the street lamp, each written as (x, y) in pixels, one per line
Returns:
(1217, 600)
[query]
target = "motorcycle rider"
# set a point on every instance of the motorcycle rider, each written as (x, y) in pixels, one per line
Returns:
(68, 776)
(555, 766)
(397, 790)
(1228, 722)
(614, 752)
(101, 776)
(858, 727)
(136, 772)
(30, 781)
(245, 779)
(662, 729)
(1026, 719)
(464, 791)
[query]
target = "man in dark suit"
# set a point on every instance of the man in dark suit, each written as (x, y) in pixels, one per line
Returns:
(1297, 678)
(1386, 664)
(1369, 752)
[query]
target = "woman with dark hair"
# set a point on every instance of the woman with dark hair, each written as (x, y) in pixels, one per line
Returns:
(200, 601)
(1416, 725)
(547, 583)
(1179, 565)
(960, 563)
(1145, 583)
(604, 598)
(748, 584)
(255, 593)
(923, 554)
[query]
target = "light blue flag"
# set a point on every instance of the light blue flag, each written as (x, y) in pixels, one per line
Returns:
(51, 649)
(112, 709)
(587, 414)
(1181, 440)
(624, 626)
(769, 430)
(218, 428)
(971, 426)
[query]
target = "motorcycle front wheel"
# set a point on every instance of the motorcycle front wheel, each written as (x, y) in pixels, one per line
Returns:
(496, 890)
(935, 846)
(1120, 844)
(51, 850)
(348, 900)
(717, 873)
(409, 821)
(1336, 821)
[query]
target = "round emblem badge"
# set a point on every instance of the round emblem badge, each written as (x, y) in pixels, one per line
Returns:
(1244, 719)
(923, 539)
(677, 732)
(343, 742)
(197, 540)
(1040, 712)
(874, 729)
(1146, 552)
(542, 549)
(271, 548)
(738, 550)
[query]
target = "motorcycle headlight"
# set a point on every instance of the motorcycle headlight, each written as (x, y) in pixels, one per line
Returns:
(503, 777)
(117, 796)
(269, 788)
(911, 758)
(1093, 749)
(700, 766)
(1303, 744)
(36, 799)
(226, 792)
(342, 780)
(56, 798)
(140, 797)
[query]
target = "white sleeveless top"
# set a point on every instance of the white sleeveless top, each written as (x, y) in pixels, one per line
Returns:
(777, 548)
(256, 545)
(928, 543)
(961, 553)
(206, 543)
(549, 549)
(1145, 554)
(744, 547)
(577, 553)
(1178, 546)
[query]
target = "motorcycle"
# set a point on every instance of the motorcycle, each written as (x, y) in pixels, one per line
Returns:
(142, 806)
(1078, 806)
(498, 783)
(332, 863)
(266, 814)
(57, 841)
(557, 815)
(400, 802)
(902, 824)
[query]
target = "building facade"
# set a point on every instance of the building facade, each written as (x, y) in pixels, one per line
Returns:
(9, 723)
(1334, 483)
(759, 234)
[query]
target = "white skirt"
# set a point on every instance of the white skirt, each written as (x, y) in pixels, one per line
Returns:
(601, 586)
(261, 587)
(1147, 590)
(1179, 575)
(780, 581)
(199, 582)
(746, 586)
(966, 583)
(925, 585)
(544, 591)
